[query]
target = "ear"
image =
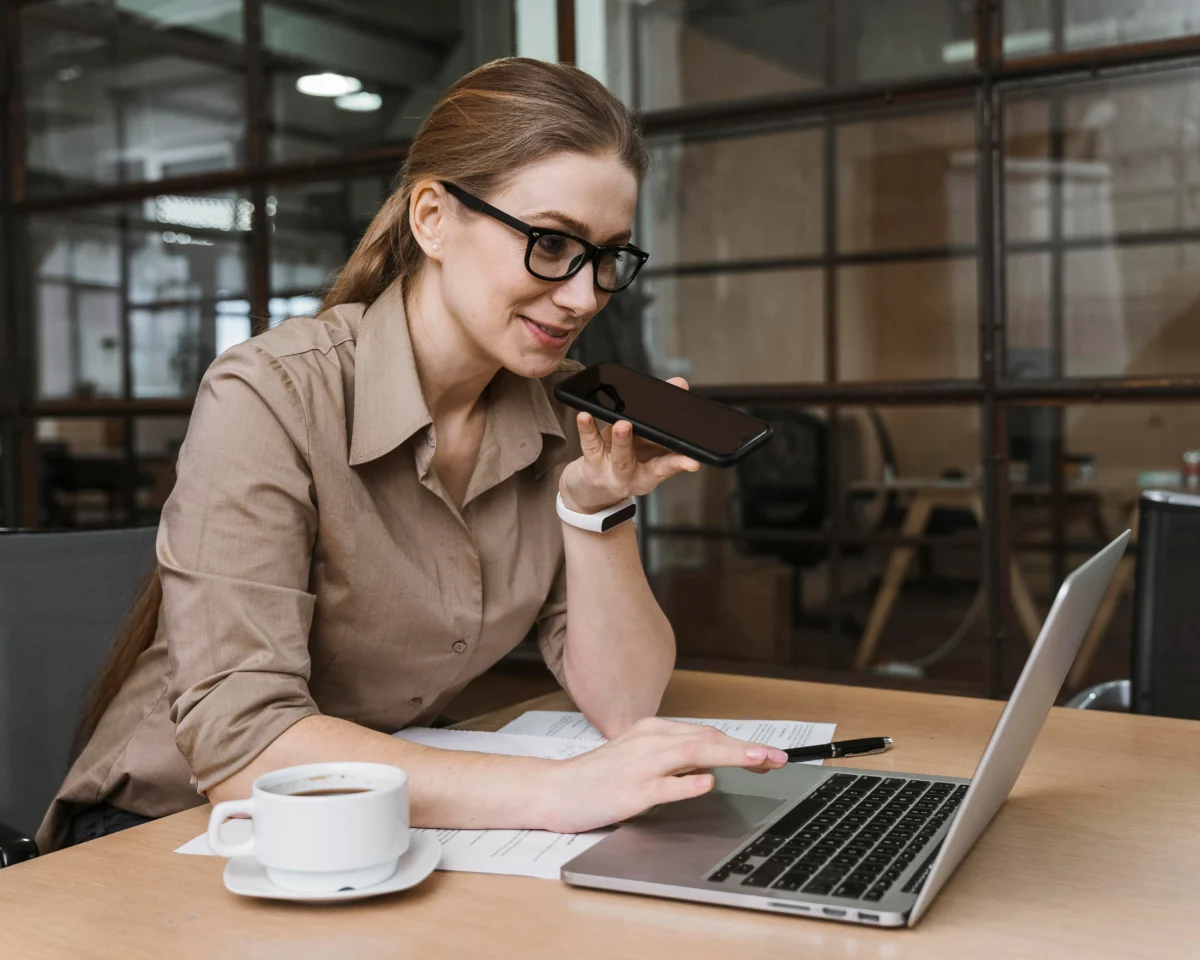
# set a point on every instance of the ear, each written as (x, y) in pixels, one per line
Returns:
(427, 217)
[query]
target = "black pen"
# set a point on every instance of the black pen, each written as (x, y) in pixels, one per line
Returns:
(841, 748)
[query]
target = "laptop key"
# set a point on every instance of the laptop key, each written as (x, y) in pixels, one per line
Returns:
(799, 816)
(850, 889)
(875, 893)
(742, 868)
(722, 874)
(763, 876)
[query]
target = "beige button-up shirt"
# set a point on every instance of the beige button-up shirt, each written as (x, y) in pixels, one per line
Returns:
(312, 562)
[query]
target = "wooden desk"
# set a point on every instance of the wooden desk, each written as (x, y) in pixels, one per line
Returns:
(1096, 855)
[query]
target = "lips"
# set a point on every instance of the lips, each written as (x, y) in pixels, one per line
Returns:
(553, 331)
(546, 334)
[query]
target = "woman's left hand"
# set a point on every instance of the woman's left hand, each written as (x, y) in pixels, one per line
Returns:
(616, 464)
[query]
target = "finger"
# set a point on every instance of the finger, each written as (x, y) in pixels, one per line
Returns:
(696, 754)
(620, 451)
(670, 789)
(666, 467)
(679, 382)
(589, 437)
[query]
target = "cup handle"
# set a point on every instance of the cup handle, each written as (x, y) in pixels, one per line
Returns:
(220, 813)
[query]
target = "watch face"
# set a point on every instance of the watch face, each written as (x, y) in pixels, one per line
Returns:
(613, 519)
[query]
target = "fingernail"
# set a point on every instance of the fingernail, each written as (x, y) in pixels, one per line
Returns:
(756, 753)
(778, 756)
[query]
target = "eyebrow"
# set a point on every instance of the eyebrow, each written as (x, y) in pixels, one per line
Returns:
(574, 226)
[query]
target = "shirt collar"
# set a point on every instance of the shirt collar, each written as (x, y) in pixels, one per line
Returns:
(389, 407)
(388, 404)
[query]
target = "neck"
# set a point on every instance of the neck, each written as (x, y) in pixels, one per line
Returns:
(451, 368)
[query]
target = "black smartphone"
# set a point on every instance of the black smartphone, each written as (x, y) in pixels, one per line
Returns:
(664, 413)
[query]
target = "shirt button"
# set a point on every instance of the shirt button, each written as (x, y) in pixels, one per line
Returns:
(460, 646)
(415, 702)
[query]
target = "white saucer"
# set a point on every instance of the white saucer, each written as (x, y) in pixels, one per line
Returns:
(247, 877)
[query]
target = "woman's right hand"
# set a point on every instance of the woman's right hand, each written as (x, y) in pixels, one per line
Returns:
(654, 761)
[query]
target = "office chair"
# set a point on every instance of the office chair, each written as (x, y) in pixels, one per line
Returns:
(62, 598)
(784, 486)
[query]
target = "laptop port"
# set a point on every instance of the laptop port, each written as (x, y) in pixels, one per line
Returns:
(833, 912)
(871, 917)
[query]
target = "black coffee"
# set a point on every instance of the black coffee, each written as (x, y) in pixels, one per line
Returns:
(329, 792)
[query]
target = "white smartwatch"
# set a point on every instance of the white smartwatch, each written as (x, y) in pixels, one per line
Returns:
(600, 522)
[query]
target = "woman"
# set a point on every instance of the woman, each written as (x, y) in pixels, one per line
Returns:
(365, 513)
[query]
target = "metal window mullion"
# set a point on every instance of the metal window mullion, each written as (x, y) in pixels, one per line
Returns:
(258, 243)
(829, 250)
(992, 432)
(1058, 498)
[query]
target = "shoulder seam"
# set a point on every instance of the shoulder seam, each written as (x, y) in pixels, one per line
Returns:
(323, 351)
(274, 360)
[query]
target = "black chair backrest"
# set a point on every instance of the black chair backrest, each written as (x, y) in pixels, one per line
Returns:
(784, 485)
(1166, 607)
(62, 598)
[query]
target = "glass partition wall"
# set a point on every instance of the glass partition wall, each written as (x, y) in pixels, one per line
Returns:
(946, 247)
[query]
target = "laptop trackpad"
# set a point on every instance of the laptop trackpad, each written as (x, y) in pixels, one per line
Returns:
(676, 843)
(714, 814)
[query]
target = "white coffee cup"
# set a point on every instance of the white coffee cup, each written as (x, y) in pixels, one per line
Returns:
(349, 837)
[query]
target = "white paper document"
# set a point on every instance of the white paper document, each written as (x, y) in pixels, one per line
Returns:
(775, 733)
(519, 853)
(548, 748)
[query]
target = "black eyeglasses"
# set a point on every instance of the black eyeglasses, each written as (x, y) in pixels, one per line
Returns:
(554, 255)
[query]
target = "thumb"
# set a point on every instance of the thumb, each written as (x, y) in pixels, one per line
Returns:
(670, 789)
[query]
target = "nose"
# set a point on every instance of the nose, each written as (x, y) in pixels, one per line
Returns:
(578, 295)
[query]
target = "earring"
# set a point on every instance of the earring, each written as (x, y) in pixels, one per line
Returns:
(435, 246)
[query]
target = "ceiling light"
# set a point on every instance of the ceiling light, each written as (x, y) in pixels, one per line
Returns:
(327, 85)
(361, 102)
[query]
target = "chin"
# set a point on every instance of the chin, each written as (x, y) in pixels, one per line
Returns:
(535, 367)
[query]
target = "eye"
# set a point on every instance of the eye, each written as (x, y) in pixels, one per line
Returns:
(552, 246)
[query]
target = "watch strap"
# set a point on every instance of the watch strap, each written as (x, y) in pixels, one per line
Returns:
(600, 522)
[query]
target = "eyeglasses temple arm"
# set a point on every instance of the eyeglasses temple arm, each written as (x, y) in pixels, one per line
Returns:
(482, 206)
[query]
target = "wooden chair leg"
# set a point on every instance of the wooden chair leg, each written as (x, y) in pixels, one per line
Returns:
(893, 579)
(1023, 603)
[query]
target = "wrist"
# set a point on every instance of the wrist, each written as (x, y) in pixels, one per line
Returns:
(583, 504)
(548, 799)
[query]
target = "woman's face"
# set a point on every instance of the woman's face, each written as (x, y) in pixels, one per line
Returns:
(514, 319)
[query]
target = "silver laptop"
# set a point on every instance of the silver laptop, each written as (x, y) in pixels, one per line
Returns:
(861, 846)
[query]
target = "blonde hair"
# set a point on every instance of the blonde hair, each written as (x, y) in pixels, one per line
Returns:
(497, 119)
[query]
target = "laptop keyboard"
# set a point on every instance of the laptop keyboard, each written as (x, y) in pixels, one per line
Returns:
(851, 837)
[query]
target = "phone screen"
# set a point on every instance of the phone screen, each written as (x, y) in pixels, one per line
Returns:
(643, 399)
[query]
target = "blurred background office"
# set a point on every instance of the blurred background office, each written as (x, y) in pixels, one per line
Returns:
(951, 249)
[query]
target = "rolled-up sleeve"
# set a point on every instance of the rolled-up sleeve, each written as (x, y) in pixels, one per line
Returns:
(235, 547)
